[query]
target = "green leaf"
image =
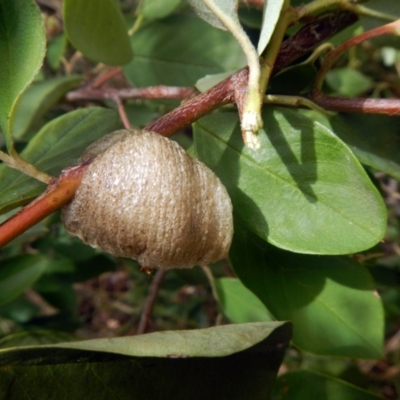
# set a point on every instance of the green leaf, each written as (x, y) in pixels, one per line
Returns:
(56, 292)
(22, 48)
(303, 191)
(306, 385)
(19, 310)
(96, 28)
(18, 273)
(56, 50)
(209, 81)
(238, 303)
(228, 7)
(185, 57)
(154, 9)
(392, 10)
(272, 12)
(225, 362)
(374, 139)
(348, 82)
(58, 145)
(37, 100)
(331, 301)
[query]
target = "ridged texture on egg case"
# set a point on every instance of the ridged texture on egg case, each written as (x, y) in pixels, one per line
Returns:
(144, 198)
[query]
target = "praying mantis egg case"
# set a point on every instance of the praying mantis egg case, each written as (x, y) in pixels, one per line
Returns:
(143, 197)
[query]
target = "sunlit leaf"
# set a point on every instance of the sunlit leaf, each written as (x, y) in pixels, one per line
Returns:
(330, 300)
(228, 7)
(22, 48)
(238, 303)
(303, 190)
(272, 11)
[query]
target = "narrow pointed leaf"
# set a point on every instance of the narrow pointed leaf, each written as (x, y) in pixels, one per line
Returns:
(272, 12)
(330, 300)
(303, 191)
(19, 273)
(58, 145)
(22, 48)
(232, 361)
(37, 100)
(97, 29)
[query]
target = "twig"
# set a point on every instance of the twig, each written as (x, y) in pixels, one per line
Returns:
(221, 94)
(151, 92)
(17, 162)
(389, 107)
(101, 80)
(311, 35)
(388, 29)
(359, 105)
(253, 3)
(150, 300)
(58, 193)
(122, 113)
(44, 307)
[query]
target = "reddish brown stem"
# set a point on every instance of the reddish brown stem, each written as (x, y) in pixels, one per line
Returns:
(150, 300)
(153, 92)
(312, 34)
(389, 107)
(254, 3)
(58, 193)
(217, 96)
(332, 56)
(228, 91)
(233, 88)
(122, 113)
(101, 80)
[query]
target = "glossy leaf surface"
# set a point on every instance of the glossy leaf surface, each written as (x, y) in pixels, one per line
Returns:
(238, 303)
(22, 48)
(303, 191)
(330, 300)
